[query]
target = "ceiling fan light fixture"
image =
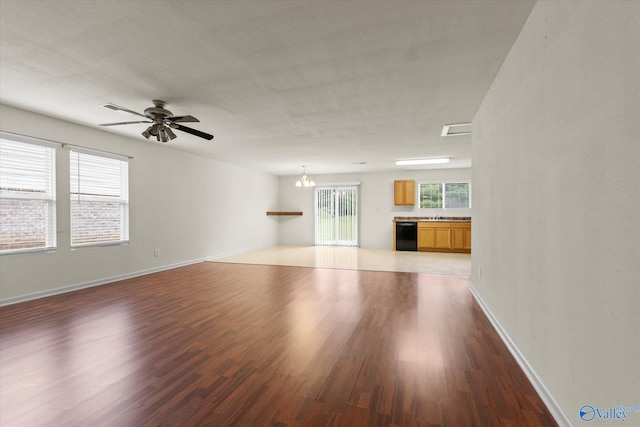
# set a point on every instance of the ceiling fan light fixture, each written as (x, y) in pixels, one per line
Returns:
(163, 135)
(147, 132)
(155, 130)
(170, 133)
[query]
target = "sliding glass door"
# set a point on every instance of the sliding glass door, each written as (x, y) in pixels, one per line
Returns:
(336, 215)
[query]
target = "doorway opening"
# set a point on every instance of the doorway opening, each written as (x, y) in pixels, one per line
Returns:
(336, 215)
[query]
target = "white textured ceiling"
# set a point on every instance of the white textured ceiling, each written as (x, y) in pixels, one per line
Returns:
(279, 83)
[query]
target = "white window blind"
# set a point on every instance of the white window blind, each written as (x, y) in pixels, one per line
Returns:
(336, 211)
(99, 199)
(27, 195)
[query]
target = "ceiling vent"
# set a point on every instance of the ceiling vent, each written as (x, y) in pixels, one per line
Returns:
(456, 129)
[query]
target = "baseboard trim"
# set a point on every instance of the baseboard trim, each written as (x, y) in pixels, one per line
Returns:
(228, 254)
(104, 281)
(92, 283)
(554, 408)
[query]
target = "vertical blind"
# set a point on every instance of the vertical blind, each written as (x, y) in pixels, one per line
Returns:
(27, 195)
(336, 215)
(99, 199)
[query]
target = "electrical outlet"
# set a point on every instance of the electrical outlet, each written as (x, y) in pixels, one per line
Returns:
(479, 272)
(156, 252)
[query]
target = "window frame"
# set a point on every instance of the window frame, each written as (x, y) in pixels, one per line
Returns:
(122, 200)
(50, 197)
(333, 202)
(443, 187)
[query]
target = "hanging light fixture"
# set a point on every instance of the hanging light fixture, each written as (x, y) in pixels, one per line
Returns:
(160, 131)
(304, 180)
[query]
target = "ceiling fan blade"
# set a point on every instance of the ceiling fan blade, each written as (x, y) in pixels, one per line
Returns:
(182, 119)
(122, 123)
(192, 131)
(115, 107)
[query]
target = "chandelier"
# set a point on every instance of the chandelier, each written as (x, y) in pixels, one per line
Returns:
(304, 180)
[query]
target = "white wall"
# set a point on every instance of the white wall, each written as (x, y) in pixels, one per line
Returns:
(187, 206)
(375, 204)
(556, 215)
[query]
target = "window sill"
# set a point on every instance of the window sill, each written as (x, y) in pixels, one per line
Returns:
(27, 251)
(99, 244)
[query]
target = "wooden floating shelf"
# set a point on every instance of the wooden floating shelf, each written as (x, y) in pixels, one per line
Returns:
(272, 213)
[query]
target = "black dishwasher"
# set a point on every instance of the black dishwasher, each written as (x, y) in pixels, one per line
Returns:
(406, 236)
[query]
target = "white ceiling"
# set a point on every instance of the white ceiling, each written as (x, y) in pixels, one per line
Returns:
(280, 84)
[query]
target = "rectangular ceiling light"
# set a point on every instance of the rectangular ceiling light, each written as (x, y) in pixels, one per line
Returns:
(456, 129)
(432, 161)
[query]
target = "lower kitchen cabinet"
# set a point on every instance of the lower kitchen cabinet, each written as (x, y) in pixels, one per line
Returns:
(461, 236)
(434, 235)
(444, 236)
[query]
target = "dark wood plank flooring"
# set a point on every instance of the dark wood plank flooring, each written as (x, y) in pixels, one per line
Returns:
(254, 345)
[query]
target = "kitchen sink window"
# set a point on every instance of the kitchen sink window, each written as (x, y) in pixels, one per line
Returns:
(447, 195)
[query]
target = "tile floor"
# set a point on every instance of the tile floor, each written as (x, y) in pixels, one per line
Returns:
(357, 259)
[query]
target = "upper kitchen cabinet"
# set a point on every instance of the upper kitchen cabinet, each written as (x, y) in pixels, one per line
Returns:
(404, 192)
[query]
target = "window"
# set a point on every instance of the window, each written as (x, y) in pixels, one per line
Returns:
(448, 195)
(27, 194)
(456, 195)
(99, 199)
(431, 195)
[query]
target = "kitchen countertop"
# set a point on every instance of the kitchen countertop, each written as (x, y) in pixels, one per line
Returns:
(432, 218)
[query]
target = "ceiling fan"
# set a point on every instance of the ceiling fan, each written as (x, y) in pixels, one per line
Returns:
(162, 121)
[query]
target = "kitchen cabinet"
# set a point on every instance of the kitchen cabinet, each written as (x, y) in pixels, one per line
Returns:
(461, 236)
(404, 192)
(434, 235)
(448, 234)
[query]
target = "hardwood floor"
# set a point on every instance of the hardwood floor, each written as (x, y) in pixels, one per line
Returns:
(256, 345)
